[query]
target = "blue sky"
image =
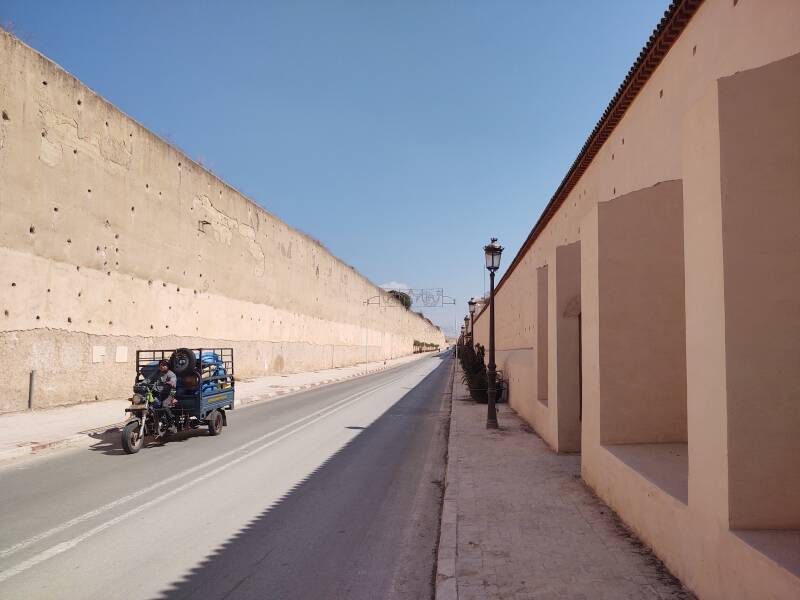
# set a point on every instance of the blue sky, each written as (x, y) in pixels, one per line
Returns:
(400, 134)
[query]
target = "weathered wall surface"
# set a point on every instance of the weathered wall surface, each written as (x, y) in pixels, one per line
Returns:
(717, 119)
(112, 240)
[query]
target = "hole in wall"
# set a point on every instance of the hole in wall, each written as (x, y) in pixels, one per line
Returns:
(116, 236)
(79, 102)
(77, 267)
(612, 156)
(151, 326)
(44, 133)
(147, 186)
(44, 83)
(694, 50)
(133, 209)
(623, 141)
(5, 116)
(111, 322)
(79, 294)
(55, 209)
(69, 240)
(106, 123)
(149, 282)
(74, 151)
(90, 191)
(48, 290)
(5, 312)
(31, 229)
(163, 285)
(13, 284)
(69, 319)
(660, 93)
(89, 321)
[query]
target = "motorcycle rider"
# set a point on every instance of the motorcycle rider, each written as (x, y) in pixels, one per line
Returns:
(166, 382)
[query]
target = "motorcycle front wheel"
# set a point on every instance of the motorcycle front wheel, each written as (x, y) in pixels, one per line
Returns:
(131, 442)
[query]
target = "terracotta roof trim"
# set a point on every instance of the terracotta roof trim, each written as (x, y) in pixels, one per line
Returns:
(668, 30)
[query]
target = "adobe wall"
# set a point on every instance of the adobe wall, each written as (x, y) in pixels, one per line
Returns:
(718, 119)
(112, 240)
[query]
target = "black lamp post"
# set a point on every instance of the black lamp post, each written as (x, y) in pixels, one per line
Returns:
(492, 252)
(467, 329)
(472, 304)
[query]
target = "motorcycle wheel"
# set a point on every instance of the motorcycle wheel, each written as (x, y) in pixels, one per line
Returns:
(215, 423)
(131, 442)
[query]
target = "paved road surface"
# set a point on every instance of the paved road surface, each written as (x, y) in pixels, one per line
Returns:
(332, 493)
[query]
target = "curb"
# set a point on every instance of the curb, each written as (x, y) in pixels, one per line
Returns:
(446, 579)
(33, 448)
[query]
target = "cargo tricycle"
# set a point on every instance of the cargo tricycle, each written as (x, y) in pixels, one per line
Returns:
(204, 392)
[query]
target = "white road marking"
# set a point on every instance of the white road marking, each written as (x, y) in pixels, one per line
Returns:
(125, 499)
(69, 544)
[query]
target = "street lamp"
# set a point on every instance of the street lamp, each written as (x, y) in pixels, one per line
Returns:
(472, 305)
(492, 251)
(466, 327)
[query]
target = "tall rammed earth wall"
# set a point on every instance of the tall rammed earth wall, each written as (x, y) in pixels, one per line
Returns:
(111, 241)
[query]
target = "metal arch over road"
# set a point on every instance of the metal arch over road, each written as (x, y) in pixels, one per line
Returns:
(342, 482)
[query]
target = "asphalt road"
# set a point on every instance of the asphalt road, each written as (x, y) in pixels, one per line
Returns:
(331, 493)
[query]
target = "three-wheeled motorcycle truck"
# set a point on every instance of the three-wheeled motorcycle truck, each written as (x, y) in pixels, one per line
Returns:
(204, 391)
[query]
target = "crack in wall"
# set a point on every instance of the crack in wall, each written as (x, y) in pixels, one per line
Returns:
(59, 129)
(224, 228)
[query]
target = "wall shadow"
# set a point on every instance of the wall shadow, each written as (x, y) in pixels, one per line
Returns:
(361, 524)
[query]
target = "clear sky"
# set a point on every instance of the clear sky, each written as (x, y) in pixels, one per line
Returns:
(401, 134)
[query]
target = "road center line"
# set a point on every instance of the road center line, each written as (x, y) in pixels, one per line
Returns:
(172, 478)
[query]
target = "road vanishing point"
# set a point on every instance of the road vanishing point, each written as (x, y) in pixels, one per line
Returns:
(330, 493)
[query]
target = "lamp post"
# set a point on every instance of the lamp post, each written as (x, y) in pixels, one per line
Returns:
(492, 253)
(472, 304)
(466, 327)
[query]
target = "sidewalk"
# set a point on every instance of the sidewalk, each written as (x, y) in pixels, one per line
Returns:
(25, 433)
(518, 522)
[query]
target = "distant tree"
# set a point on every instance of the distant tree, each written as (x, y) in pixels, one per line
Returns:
(401, 297)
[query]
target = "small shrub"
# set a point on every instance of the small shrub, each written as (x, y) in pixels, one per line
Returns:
(474, 371)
